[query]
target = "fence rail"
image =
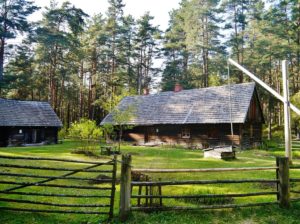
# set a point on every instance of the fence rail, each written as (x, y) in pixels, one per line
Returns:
(95, 167)
(207, 195)
(202, 170)
(54, 159)
(53, 168)
(281, 184)
(193, 182)
(294, 192)
(164, 208)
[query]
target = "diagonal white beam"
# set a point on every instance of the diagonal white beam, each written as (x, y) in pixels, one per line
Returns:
(264, 85)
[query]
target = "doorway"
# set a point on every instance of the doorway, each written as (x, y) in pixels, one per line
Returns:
(3, 137)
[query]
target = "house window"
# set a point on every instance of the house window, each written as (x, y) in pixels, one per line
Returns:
(185, 133)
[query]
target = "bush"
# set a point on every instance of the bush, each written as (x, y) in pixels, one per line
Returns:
(87, 132)
(62, 133)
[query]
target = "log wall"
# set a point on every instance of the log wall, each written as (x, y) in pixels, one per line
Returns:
(201, 136)
(14, 136)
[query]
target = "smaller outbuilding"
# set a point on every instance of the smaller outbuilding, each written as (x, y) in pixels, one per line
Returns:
(27, 122)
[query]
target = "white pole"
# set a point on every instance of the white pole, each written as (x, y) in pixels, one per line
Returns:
(264, 85)
(287, 115)
(284, 99)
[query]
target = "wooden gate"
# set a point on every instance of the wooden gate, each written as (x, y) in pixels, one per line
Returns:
(31, 184)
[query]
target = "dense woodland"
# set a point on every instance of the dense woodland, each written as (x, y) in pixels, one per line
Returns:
(84, 65)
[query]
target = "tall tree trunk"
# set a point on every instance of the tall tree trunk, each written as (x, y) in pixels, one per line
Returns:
(81, 90)
(68, 116)
(2, 45)
(270, 119)
(93, 85)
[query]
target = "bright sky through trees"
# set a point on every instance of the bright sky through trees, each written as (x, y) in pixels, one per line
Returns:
(158, 8)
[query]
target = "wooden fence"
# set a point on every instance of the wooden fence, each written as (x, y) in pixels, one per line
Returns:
(64, 169)
(281, 181)
(294, 181)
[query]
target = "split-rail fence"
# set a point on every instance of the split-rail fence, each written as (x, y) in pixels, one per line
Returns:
(14, 188)
(281, 192)
(66, 180)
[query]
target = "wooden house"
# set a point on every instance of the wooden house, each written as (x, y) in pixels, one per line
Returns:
(196, 118)
(27, 122)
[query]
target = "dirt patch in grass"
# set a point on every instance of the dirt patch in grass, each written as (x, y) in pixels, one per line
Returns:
(267, 185)
(99, 179)
(89, 153)
(206, 200)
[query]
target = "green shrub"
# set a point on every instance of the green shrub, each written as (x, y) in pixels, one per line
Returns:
(62, 133)
(87, 132)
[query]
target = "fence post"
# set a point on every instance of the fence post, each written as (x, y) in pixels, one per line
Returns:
(284, 181)
(113, 188)
(125, 188)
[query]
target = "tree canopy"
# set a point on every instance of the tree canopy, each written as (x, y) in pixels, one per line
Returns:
(82, 65)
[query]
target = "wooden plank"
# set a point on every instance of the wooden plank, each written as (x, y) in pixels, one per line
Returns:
(52, 211)
(207, 195)
(28, 184)
(160, 193)
(54, 159)
(53, 178)
(284, 182)
(202, 170)
(294, 179)
(264, 85)
(58, 178)
(113, 190)
(51, 168)
(294, 167)
(55, 195)
(165, 208)
(287, 112)
(52, 204)
(125, 188)
(191, 182)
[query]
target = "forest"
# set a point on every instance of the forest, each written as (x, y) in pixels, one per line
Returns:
(83, 65)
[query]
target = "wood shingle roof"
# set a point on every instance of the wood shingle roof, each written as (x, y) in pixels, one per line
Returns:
(27, 114)
(196, 106)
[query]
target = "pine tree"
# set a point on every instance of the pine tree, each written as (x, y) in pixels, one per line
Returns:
(146, 50)
(13, 21)
(191, 43)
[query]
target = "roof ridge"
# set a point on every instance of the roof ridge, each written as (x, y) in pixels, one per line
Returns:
(188, 90)
(29, 101)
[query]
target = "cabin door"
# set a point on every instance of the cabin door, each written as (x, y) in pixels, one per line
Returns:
(146, 135)
(34, 136)
(149, 134)
(3, 137)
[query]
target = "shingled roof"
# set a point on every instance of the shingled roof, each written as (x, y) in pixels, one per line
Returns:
(196, 106)
(27, 114)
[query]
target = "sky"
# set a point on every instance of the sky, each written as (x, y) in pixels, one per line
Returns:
(158, 8)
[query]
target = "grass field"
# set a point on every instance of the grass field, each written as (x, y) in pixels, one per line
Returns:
(155, 157)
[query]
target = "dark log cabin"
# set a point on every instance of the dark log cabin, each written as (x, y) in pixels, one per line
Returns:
(196, 118)
(27, 122)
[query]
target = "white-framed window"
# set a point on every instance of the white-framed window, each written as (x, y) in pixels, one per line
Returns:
(185, 133)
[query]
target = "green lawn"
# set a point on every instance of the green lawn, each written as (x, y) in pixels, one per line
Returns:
(154, 157)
